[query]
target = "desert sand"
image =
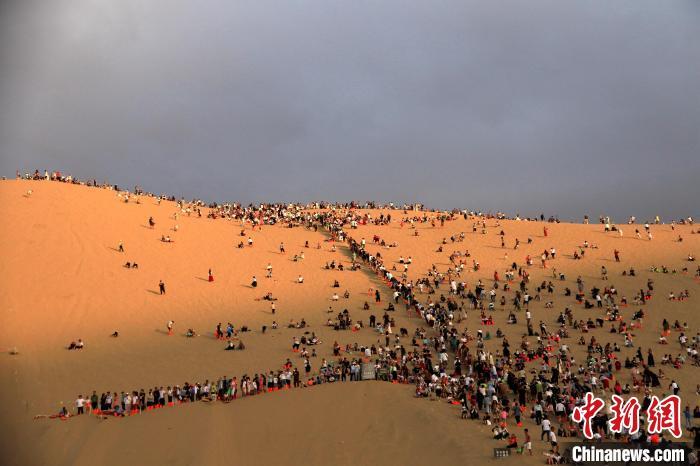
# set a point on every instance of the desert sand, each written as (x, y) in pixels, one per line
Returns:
(63, 278)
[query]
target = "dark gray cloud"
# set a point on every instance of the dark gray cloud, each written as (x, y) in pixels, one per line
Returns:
(523, 106)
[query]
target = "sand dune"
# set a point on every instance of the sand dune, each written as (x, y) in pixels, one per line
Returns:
(63, 278)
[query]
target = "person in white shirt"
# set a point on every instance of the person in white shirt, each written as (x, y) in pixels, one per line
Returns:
(80, 404)
(546, 429)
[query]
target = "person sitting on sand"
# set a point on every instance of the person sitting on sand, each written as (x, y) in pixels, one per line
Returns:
(190, 333)
(230, 346)
(62, 414)
(76, 345)
(499, 433)
(553, 456)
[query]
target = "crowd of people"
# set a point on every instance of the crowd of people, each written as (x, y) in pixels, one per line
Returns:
(494, 387)
(535, 377)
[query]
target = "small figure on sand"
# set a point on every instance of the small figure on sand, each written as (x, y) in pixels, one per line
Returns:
(76, 345)
(121, 246)
(170, 327)
(254, 282)
(161, 287)
(211, 277)
(62, 414)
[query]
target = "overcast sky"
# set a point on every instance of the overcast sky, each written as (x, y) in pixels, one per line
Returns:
(565, 107)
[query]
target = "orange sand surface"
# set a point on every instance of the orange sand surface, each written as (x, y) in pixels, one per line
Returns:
(62, 278)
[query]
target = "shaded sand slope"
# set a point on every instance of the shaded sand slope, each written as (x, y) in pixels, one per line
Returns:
(354, 423)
